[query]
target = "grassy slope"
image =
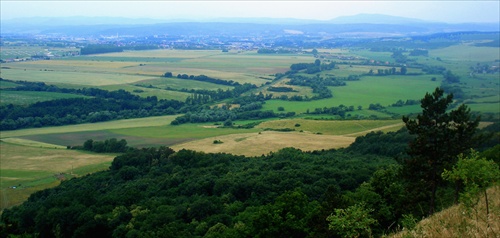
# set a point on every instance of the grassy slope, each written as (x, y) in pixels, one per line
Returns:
(456, 222)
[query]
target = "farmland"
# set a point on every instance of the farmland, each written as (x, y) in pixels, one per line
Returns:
(141, 73)
(383, 90)
(26, 98)
(29, 159)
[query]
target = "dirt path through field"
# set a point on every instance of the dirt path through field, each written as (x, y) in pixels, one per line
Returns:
(382, 128)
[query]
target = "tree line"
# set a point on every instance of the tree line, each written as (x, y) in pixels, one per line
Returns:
(249, 109)
(312, 68)
(112, 145)
(203, 78)
(102, 106)
(100, 49)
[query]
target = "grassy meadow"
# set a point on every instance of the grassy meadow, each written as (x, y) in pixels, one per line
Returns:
(369, 90)
(26, 98)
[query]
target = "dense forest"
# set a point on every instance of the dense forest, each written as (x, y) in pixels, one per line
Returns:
(380, 182)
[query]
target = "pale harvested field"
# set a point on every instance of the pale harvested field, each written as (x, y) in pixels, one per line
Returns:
(28, 158)
(163, 53)
(31, 167)
(31, 143)
(255, 144)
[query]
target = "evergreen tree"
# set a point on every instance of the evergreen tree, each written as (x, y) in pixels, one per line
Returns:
(440, 137)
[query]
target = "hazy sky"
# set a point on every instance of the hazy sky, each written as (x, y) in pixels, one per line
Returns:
(443, 11)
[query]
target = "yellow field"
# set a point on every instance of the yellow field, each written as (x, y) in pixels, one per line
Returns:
(256, 144)
(163, 53)
(29, 168)
(32, 143)
(52, 160)
(315, 135)
(74, 78)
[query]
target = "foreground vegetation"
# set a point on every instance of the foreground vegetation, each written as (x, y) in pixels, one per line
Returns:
(459, 221)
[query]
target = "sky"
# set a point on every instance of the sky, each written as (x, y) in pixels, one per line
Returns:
(440, 11)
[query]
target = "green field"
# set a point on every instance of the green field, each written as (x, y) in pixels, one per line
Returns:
(148, 92)
(77, 78)
(4, 84)
(371, 55)
(467, 53)
(177, 83)
(369, 90)
(347, 127)
(119, 124)
(26, 98)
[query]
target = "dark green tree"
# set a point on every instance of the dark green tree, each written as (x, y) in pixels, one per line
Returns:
(228, 123)
(288, 216)
(440, 137)
(87, 145)
(403, 70)
(317, 62)
(354, 221)
(449, 77)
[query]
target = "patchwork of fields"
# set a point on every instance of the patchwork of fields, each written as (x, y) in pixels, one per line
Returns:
(33, 159)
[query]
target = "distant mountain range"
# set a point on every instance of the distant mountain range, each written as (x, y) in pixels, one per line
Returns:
(386, 24)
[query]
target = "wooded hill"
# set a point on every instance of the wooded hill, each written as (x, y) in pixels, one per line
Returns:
(157, 192)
